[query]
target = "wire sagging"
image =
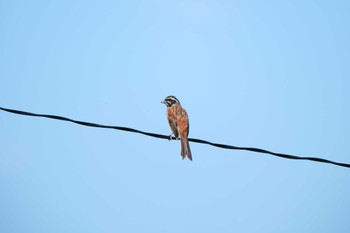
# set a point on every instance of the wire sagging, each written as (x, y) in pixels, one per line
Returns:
(257, 150)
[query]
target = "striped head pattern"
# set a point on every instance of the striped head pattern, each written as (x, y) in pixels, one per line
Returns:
(170, 100)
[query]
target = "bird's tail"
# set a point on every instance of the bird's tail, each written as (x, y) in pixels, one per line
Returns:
(185, 148)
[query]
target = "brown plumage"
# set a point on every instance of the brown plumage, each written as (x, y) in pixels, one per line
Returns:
(179, 124)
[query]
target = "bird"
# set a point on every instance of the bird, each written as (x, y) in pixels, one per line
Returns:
(179, 124)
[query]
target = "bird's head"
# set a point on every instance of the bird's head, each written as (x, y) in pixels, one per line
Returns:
(170, 100)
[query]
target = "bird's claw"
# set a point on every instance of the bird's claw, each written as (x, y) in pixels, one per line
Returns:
(171, 137)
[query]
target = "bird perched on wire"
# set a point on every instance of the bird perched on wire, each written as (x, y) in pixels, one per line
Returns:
(178, 121)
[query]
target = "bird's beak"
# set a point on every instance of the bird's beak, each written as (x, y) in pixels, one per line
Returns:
(163, 102)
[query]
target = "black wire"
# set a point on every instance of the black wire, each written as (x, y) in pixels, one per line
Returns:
(167, 137)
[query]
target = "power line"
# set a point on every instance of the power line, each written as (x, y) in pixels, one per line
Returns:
(257, 150)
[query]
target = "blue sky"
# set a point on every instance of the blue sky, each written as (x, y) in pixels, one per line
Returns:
(267, 74)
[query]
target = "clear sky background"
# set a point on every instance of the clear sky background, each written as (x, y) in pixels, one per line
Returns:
(267, 74)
